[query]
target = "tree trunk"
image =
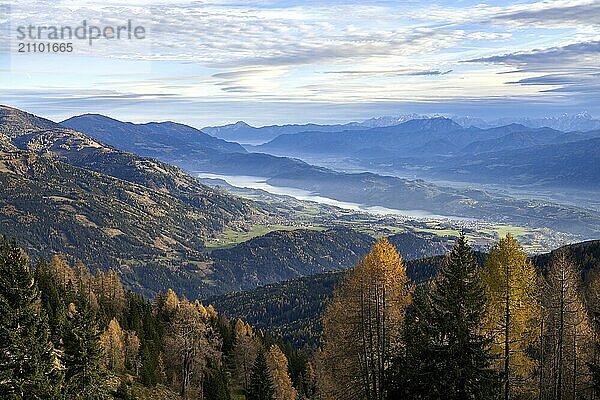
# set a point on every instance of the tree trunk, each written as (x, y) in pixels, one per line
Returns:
(541, 383)
(506, 338)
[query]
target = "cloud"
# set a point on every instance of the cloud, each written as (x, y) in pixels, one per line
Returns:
(331, 51)
(574, 68)
(581, 53)
(551, 13)
(397, 72)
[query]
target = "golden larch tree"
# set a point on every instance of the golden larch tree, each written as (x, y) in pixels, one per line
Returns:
(278, 367)
(245, 350)
(568, 343)
(362, 324)
(512, 315)
(113, 342)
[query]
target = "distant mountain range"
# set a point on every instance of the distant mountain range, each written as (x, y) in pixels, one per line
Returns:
(442, 149)
(243, 133)
(376, 147)
(582, 122)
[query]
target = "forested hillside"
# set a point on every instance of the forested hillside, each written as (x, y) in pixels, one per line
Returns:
(68, 333)
(65, 192)
(292, 309)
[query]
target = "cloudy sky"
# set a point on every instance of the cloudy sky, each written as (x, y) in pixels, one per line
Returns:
(265, 62)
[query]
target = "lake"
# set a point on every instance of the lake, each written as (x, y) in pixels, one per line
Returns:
(256, 182)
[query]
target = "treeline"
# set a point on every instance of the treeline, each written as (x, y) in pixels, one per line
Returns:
(501, 331)
(68, 334)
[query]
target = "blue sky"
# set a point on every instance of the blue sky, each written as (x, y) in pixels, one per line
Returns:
(265, 62)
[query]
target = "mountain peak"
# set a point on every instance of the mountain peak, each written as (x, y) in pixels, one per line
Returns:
(241, 124)
(432, 124)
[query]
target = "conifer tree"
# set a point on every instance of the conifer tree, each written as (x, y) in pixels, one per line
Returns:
(568, 341)
(363, 323)
(216, 385)
(448, 355)
(261, 382)
(82, 358)
(512, 314)
(27, 357)
(278, 367)
(53, 300)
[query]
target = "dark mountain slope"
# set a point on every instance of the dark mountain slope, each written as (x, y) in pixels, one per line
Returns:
(571, 164)
(283, 255)
(31, 133)
(50, 206)
(292, 309)
(154, 139)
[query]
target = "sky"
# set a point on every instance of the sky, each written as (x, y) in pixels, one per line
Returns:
(272, 62)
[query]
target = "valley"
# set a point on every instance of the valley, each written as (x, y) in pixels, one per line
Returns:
(265, 239)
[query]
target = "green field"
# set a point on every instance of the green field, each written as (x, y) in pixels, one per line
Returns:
(230, 237)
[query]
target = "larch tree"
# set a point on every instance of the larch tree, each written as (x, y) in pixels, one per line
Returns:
(245, 350)
(512, 313)
(132, 349)
(189, 346)
(110, 293)
(171, 300)
(569, 340)
(113, 342)
(362, 324)
(27, 357)
(62, 271)
(278, 367)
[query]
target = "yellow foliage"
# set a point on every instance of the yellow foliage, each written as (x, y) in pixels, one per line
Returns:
(113, 342)
(512, 291)
(363, 322)
(278, 367)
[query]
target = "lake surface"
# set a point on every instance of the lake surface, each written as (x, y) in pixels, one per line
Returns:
(256, 182)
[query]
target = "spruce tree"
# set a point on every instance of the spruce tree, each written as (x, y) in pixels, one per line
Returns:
(216, 385)
(52, 298)
(261, 383)
(415, 373)
(448, 357)
(27, 357)
(458, 301)
(84, 377)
